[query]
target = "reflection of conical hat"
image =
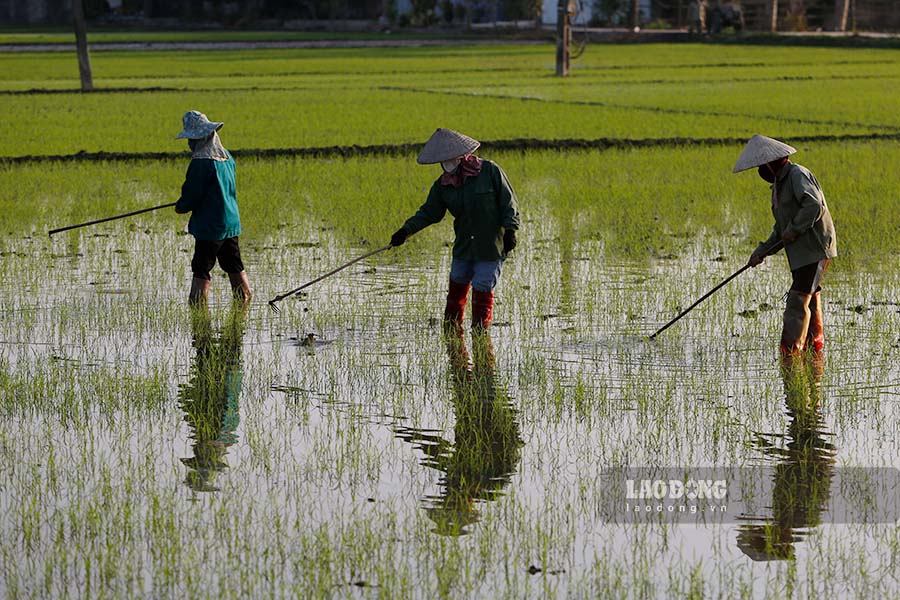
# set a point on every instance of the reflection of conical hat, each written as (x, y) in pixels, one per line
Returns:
(445, 144)
(761, 150)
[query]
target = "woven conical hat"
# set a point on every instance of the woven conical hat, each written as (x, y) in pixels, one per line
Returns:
(761, 150)
(445, 144)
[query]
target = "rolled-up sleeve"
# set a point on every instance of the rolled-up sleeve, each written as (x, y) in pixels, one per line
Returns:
(763, 249)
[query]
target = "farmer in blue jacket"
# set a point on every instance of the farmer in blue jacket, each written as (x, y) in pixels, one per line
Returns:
(478, 195)
(209, 194)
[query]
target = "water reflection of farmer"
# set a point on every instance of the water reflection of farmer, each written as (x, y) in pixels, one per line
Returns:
(480, 461)
(804, 466)
(210, 398)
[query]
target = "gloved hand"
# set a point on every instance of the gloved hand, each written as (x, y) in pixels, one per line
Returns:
(399, 237)
(789, 236)
(756, 259)
(509, 240)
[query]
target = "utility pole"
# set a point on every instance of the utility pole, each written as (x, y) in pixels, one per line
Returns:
(81, 47)
(842, 10)
(774, 27)
(565, 9)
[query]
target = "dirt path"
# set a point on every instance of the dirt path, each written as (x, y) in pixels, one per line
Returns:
(287, 44)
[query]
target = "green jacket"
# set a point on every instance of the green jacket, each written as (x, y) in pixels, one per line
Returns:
(482, 208)
(209, 194)
(802, 208)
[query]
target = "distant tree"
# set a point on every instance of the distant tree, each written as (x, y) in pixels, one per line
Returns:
(521, 10)
(81, 47)
(423, 13)
(607, 12)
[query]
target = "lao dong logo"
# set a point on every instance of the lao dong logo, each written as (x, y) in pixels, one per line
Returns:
(674, 489)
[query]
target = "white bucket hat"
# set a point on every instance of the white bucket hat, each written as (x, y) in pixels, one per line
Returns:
(446, 144)
(761, 150)
(197, 126)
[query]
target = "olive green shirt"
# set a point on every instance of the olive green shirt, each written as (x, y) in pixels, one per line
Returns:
(483, 207)
(799, 205)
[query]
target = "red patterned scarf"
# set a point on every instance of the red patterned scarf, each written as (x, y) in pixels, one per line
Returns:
(469, 166)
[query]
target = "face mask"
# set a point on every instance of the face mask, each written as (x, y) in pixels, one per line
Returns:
(450, 165)
(765, 171)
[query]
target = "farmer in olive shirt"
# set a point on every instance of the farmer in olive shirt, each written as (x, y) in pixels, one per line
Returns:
(209, 194)
(804, 225)
(478, 195)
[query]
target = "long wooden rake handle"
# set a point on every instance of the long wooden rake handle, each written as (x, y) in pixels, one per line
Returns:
(130, 214)
(277, 299)
(772, 249)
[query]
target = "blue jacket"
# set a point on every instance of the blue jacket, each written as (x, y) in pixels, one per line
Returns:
(210, 195)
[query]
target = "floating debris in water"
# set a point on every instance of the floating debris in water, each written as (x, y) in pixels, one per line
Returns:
(749, 313)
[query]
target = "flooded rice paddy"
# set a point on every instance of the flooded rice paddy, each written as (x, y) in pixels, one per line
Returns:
(348, 448)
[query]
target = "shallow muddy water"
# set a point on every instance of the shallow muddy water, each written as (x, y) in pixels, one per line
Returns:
(346, 447)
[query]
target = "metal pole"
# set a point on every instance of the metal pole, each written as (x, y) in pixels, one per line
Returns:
(774, 248)
(131, 214)
(276, 299)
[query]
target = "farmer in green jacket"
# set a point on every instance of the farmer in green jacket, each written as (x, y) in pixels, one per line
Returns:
(804, 225)
(209, 194)
(478, 195)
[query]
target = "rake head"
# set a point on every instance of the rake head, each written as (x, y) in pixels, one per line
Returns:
(274, 306)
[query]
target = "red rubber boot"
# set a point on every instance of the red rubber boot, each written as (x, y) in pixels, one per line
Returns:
(482, 309)
(815, 336)
(457, 296)
(796, 323)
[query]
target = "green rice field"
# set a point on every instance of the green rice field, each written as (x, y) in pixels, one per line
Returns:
(346, 447)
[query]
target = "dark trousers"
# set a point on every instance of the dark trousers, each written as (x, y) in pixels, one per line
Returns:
(206, 252)
(808, 279)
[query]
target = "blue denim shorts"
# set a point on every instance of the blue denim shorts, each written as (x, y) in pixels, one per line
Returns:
(482, 274)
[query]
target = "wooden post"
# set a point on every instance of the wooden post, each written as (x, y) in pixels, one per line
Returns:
(774, 27)
(81, 47)
(564, 38)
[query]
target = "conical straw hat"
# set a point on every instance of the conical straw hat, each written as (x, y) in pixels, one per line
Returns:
(445, 144)
(761, 150)
(197, 126)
